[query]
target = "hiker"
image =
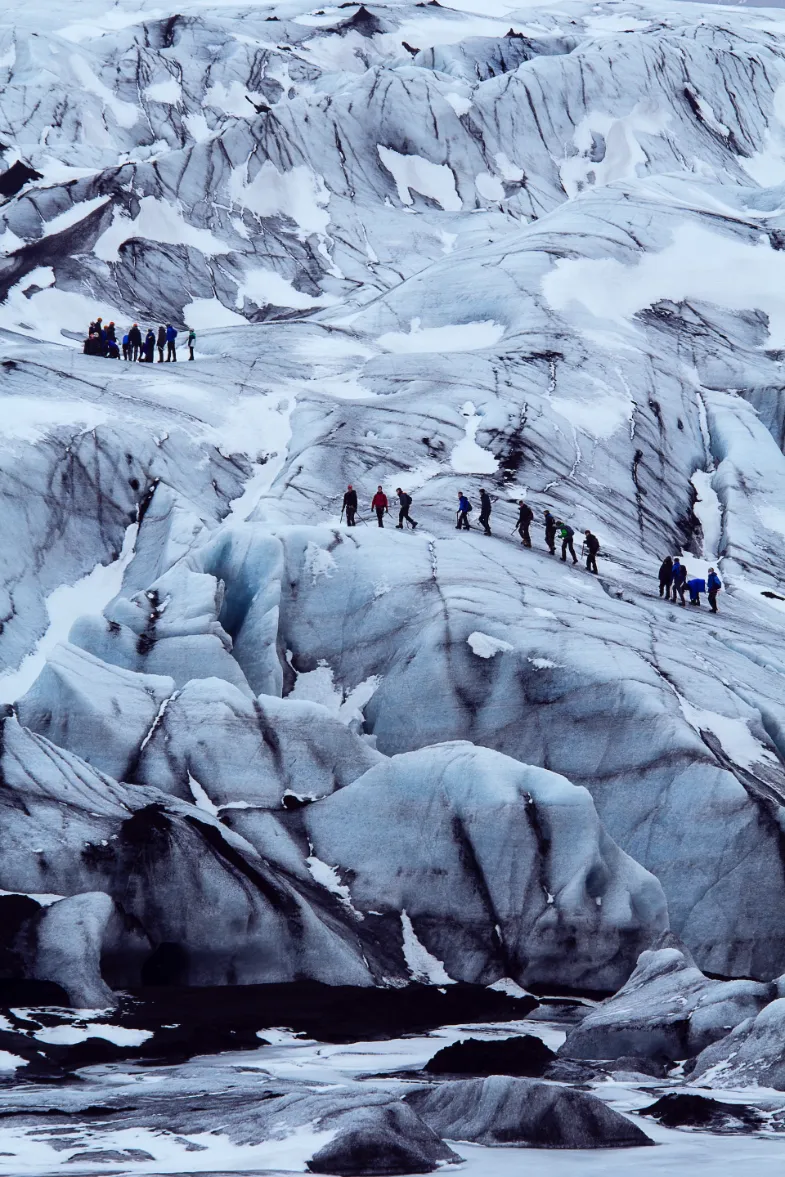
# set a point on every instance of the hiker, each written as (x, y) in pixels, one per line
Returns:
(379, 505)
(485, 510)
(112, 350)
(406, 502)
(111, 336)
(92, 345)
(149, 346)
(592, 548)
(714, 584)
(171, 351)
(191, 341)
(666, 573)
(525, 517)
(464, 507)
(678, 580)
(350, 505)
(550, 532)
(160, 343)
(135, 342)
(126, 347)
(566, 534)
(696, 586)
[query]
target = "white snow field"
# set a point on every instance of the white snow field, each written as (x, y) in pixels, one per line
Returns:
(535, 249)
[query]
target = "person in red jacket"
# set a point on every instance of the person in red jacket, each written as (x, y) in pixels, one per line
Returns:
(379, 505)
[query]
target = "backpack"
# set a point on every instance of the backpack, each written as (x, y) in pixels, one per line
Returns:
(405, 501)
(469, 507)
(567, 531)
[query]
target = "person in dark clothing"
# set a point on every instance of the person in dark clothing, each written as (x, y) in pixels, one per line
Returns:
(485, 510)
(666, 572)
(135, 342)
(160, 343)
(191, 341)
(379, 505)
(112, 350)
(566, 535)
(464, 507)
(126, 347)
(550, 533)
(406, 502)
(149, 346)
(350, 505)
(696, 586)
(525, 517)
(171, 351)
(111, 336)
(678, 580)
(714, 585)
(92, 345)
(592, 548)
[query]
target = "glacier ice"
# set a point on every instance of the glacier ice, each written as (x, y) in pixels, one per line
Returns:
(537, 250)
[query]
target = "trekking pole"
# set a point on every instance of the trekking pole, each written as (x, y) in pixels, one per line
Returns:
(583, 545)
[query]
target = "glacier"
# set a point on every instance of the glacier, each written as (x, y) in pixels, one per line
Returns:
(537, 249)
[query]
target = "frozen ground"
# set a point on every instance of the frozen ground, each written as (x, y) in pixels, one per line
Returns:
(538, 249)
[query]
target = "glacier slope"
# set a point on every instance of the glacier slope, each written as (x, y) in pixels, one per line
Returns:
(549, 263)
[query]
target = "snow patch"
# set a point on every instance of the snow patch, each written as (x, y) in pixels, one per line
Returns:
(433, 180)
(737, 741)
(423, 967)
(328, 877)
(461, 337)
(468, 457)
(157, 220)
(89, 596)
(169, 92)
(485, 646)
(299, 195)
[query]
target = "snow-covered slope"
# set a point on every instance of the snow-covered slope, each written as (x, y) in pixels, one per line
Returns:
(537, 250)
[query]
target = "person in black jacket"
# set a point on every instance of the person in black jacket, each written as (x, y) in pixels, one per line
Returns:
(485, 510)
(160, 343)
(525, 517)
(135, 342)
(149, 346)
(350, 505)
(550, 533)
(406, 502)
(592, 548)
(666, 574)
(567, 534)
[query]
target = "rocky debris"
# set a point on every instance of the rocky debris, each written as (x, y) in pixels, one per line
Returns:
(686, 1110)
(510, 1111)
(667, 1010)
(523, 1055)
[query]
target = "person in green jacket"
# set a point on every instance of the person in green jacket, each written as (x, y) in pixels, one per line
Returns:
(566, 534)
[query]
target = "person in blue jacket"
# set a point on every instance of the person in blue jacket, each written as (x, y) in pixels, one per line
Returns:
(171, 351)
(464, 507)
(714, 584)
(678, 580)
(696, 585)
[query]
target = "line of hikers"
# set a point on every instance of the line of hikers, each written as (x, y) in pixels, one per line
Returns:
(554, 528)
(675, 579)
(102, 341)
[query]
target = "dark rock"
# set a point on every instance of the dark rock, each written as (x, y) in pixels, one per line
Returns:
(526, 1055)
(677, 1110)
(14, 178)
(507, 1111)
(382, 1140)
(640, 1066)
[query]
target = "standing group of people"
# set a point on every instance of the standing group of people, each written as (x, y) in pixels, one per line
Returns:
(675, 581)
(554, 528)
(102, 341)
